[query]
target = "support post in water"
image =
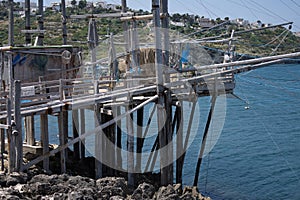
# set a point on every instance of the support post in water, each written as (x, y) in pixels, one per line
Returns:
(207, 126)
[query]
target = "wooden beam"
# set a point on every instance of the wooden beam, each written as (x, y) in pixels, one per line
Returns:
(107, 15)
(140, 17)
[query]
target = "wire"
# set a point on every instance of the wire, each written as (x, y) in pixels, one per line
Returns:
(289, 7)
(209, 12)
(249, 9)
(295, 3)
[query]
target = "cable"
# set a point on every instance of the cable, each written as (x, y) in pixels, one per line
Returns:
(249, 9)
(295, 3)
(289, 7)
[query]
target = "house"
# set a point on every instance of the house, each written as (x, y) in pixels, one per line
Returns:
(101, 4)
(241, 22)
(55, 6)
(181, 24)
(205, 22)
(113, 7)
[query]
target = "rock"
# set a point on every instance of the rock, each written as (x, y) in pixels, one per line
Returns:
(178, 188)
(116, 198)
(111, 186)
(43, 188)
(2, 180)
(144, 191)
(167, 193)
(15, 178)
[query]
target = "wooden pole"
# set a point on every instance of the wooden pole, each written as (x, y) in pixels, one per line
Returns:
(45, 140)
(40, 41)
(82, 131)
(2, 149)
(99, 143)
(18, 122)
(119, 140)
(64, 21)
(63, 137)
(11, 23)
(130, 144)
(29, 130)
(169, 135)
(166, 37)
(179, 141)
(139, 139)
(208, 122)
(161, 100)
(75, 127)
(27, 22)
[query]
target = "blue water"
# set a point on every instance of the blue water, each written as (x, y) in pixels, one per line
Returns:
(257, 154)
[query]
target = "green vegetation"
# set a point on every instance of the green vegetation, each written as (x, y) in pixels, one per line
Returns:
(260, 43)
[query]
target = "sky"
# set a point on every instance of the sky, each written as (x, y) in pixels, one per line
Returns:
(267, 11)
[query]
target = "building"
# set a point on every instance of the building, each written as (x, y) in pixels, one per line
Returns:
(205, 22)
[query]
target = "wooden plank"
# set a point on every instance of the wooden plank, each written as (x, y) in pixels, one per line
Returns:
(45, 140)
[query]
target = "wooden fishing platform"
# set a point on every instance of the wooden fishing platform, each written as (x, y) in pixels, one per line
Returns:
(25, 97)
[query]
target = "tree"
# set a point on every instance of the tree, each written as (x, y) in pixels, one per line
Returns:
(73, 3)
(82, 4)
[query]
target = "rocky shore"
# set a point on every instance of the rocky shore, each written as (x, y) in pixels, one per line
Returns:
(42, 186)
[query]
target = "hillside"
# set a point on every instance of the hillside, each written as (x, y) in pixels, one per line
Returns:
(260, 43)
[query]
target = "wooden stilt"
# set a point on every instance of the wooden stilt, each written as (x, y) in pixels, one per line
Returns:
(29, 130)
(169, 136)
(139, 139)
(208, 122)
(82, 131)
(179, 142)
(18, 122)
(75, 127)
(119, 140)
(130, 145)
(98, 143)
(63, 137)
(45, 139)
(2, 148)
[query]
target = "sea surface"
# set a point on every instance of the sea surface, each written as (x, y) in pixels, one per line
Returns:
(253, 147)
(257, 155)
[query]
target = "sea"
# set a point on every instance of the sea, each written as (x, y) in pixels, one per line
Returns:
(253, 149)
